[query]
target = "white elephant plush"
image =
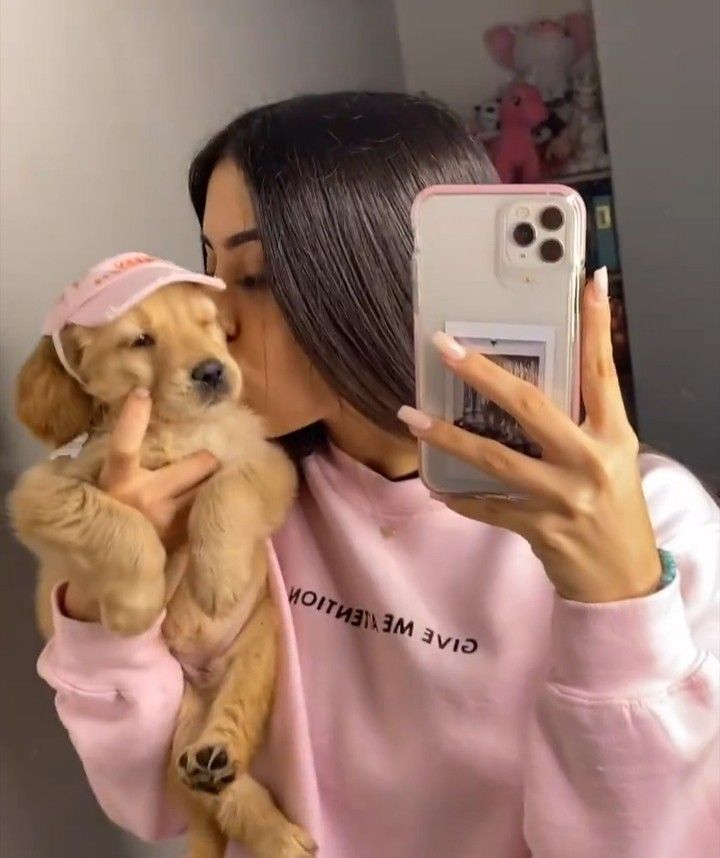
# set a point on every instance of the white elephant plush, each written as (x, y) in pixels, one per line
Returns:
(544, 53)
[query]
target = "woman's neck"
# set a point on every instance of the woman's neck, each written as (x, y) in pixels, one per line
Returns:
(390, 455)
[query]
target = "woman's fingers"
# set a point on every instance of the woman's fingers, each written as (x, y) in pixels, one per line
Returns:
(181, 477)
(514, 469)
(122, 462)
(123, 456)
(543, 421)
(182, 503)
(600, 386)
(174, 527)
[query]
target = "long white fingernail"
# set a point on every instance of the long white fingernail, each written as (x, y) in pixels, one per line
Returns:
(448, 346)
(600, 283)
(141, 393)
(415, 420)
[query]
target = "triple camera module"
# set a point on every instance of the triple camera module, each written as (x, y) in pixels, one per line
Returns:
(551, 219)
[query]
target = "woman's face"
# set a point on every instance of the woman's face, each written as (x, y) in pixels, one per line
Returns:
(279, 381)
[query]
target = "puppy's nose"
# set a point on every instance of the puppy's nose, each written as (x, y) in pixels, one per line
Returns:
(209, 374)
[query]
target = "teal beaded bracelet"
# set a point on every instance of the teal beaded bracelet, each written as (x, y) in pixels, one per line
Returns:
(669, 568)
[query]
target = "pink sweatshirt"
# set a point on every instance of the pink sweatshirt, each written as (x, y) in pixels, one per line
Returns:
(436, 699)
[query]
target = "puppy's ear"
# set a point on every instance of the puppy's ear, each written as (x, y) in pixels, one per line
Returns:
(48, 401)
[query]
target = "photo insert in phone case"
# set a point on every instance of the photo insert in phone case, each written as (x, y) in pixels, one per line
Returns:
(527, 351)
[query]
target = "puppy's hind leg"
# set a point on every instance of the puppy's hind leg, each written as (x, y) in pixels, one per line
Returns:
(236, 721)
(218, 760)
(204, 837)
(248, 813)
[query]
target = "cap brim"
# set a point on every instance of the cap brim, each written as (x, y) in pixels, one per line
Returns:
(116, 299)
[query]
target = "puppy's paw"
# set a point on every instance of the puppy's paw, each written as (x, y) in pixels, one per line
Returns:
(297, 844)
(130, 607)
(128, 612)
(207, 768)
(127, 621)
(131, 589)
(213, 581)
(286, 841)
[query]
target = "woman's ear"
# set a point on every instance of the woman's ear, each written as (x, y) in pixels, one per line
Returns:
(48, 401)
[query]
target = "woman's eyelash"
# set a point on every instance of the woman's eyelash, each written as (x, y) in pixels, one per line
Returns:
(251, 281)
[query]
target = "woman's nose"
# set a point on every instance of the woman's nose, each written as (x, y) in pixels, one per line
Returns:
(227, 315)
(232, 330)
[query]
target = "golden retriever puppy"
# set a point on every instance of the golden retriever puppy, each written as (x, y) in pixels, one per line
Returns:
(76, 381)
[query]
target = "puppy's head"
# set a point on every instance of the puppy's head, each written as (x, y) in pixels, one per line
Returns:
(170, 343)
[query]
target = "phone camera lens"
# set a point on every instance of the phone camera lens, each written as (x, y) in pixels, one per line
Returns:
(551, 250)
(524, 234)
(552, 218)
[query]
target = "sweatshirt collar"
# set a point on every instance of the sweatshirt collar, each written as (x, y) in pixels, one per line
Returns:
(368, 490)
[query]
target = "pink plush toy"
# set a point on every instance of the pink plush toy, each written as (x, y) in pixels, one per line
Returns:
(514, 152)
(544, 53)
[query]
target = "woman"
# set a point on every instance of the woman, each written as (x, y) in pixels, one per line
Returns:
(481, 677)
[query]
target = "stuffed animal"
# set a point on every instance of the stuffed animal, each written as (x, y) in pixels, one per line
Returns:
(582, 144)
(514, 152)
(543, 53)
(486, 119)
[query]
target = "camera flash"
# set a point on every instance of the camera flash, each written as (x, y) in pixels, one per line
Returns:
(523, 211)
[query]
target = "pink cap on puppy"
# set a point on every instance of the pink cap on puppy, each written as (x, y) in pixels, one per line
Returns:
(110, 289)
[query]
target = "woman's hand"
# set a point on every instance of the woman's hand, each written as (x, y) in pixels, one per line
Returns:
(583, 510)
(163, 496)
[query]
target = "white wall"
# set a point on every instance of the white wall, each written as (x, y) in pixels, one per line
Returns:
(442, 44)
(103, 102)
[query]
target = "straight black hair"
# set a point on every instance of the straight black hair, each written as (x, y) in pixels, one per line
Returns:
(332, 178)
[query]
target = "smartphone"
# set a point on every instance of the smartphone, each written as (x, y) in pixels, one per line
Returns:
(498, 267)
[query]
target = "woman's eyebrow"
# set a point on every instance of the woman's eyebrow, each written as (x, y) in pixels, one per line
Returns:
(235, 240)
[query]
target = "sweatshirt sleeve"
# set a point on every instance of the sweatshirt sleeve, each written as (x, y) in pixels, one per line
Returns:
(118, 699)
(623, 756)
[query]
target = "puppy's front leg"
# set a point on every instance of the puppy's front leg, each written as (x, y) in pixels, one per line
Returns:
(111, 550)
(226, 530)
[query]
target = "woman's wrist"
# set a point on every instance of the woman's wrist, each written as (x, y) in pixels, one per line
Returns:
(76, 605)
(656, 575)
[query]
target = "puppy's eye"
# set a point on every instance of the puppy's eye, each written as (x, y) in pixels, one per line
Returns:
(142, 342)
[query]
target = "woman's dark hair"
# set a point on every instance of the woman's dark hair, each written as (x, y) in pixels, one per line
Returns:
(332, 179)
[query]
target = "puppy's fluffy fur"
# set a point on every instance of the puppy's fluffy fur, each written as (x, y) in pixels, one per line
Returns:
(211, 586)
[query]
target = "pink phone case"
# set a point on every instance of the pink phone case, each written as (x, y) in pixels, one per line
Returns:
(473, 280)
